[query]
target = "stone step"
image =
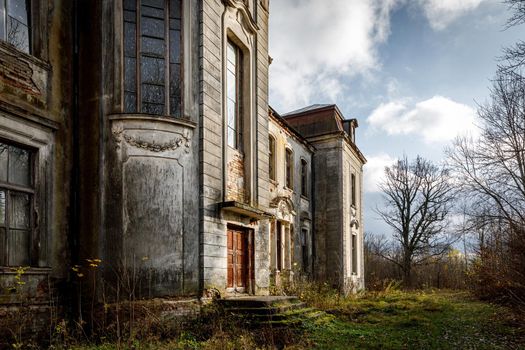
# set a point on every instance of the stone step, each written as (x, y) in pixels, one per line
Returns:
(265, 310)
(258, 302)
(278, 311)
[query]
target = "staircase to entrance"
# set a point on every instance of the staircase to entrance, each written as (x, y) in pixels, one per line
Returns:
(272, 310)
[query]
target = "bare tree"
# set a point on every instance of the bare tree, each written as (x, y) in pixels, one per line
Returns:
(491, 168)
(418, 197)
(490, 171)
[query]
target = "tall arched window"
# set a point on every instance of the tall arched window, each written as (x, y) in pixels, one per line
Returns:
(152, 57)
(271, 156)
(289, 168)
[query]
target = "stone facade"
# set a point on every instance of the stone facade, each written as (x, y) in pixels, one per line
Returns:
(126, 109)
(337, 192)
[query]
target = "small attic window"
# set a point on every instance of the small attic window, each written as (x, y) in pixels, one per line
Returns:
(349, 127)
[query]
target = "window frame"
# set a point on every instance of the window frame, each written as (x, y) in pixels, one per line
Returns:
(353, 190)
(237, 125)
(30, 190)
(272, 157)
(304, 178)
(4, 17)
(305, 256)
(289, 168)
(353, 252)
(137, 70)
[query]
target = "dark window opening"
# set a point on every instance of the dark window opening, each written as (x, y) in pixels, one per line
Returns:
(279, 246)
(16, 205)
(289, 168)
(153, 57)
(304, 178)
(15, 23)
(305, 250)
(354, 255)
(271, 156)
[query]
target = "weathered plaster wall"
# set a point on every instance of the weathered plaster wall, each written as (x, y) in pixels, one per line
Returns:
(303, 205)
(328, 213)
(138, 173)
(35, 112)
(223, 20)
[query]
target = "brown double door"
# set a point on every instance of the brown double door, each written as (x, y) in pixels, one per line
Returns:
(239, 260)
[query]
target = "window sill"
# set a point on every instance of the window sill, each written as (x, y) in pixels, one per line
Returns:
(11, 49)
(288, 189)
(153, 117)
(11, 270)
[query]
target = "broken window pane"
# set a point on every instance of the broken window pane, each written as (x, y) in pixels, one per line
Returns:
(18, 254)
(3, 162)
(19, 166)
(19, 210)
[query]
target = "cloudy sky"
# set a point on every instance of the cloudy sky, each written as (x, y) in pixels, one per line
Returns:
(411, 71)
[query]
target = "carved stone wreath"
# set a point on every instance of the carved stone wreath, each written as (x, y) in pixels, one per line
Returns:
(182, 141)
(159, 147)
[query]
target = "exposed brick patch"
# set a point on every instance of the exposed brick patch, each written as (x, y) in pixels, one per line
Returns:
(17, 73)
(235, 189)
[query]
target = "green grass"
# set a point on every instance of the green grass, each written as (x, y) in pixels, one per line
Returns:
(417, 320)
(393, 320)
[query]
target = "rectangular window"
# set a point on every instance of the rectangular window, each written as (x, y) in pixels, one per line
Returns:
(304, 178)
(234, 95)
(271, 156)
(289, 168)
(354, 254)
(352, 183)
(153, 57)
(16, 205)
(304, 248)
(279, 246)
(15, 23)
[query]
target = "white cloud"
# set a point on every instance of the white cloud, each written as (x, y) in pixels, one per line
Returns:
(436, 120)
(316, 44)
(375, 170)
(440, 13)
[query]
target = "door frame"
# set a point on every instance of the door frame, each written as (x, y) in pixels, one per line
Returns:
(248, 236)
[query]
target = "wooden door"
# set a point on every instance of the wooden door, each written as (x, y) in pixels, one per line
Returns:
(238, 259)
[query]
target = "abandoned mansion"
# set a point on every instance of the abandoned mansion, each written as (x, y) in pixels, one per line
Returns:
(136, 139)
